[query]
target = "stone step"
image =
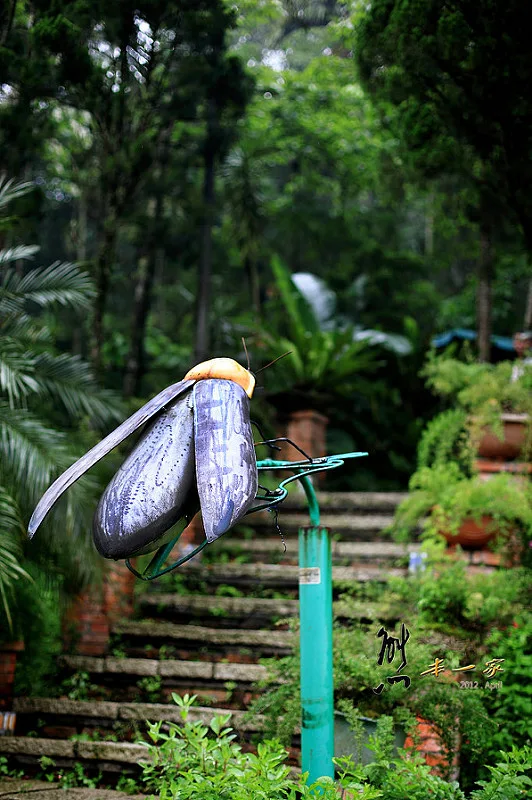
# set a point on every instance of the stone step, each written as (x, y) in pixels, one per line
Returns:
(109, 757)
(244, 612)
(173, 668)
(280, 575)
(244, 646)
(141, 679)
(17, 788)
(271, 550)
(348, 525)
(74, 717)
(361, 502)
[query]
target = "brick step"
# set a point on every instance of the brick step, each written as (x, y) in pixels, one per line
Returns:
(139, 679)
(61, 718)
(271, 550)
(280, 575)
(239, 646)
(242, 612)
(15, 788)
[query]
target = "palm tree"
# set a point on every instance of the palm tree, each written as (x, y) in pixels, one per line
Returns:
(36, 384)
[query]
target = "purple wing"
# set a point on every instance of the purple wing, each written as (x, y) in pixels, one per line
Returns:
(100, 450)
(226, 466)
(152, 490)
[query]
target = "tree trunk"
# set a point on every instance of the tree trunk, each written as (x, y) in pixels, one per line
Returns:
(103, 276)
(205, 266)
(527, 322)
(485, 277)
(429, 226)
(81, 257)
(251, 269)
(141, 308)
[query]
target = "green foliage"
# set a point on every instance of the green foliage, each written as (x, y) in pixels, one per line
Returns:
(448, 498)
(36, 384)
(482, 391)
(459, 105)
(68, 778)
(445, 596)
(356, 674)
(321, 363)
(37, 607)
(78, 777)
(446, 438)
(127, 785)
(199, 761)
(511, 706)
(510, 778)
(150, 688)
(77, 686)
(195, 760)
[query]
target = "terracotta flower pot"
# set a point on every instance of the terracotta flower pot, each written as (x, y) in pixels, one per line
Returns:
(472, 535)
(513, 442)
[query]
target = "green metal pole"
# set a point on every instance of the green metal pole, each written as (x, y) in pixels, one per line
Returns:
(315, 614)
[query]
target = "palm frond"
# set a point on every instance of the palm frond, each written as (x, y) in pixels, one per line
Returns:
(62, 283)
(11, 533)
(16, 371)
(69, 379)
(30, 451)
(10, 189)
(23, 252)
(26, 330)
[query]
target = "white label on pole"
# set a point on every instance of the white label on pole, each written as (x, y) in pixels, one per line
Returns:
(309, 575)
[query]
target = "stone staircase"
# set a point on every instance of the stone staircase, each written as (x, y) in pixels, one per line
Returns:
(202, 630)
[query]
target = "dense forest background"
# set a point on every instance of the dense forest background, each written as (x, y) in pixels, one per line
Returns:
(189, 155)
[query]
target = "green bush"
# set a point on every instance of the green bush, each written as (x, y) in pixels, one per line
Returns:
(511, 706)
(194, 761)
(37, 612)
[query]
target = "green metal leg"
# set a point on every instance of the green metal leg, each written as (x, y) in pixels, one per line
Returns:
(315, 613)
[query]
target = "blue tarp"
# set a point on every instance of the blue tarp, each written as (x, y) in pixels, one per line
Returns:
(443, 339)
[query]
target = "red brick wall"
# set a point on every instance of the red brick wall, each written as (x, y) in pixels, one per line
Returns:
(433, 751)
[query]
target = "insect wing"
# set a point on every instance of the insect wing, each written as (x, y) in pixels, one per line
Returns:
(71, 475)
(153, 488)
(226, 466)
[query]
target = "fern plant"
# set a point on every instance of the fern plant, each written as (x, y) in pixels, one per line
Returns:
(483, 392)
(38, 387)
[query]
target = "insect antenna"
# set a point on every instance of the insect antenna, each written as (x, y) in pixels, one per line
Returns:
(247, 354)
(288, 352)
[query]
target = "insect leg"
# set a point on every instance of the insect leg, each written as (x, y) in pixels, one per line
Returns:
(289, 441)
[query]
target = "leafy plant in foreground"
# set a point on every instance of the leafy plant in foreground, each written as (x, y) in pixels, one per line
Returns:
(195, 761)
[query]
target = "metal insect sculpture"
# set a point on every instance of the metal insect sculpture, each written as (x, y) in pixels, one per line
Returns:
(197, 452)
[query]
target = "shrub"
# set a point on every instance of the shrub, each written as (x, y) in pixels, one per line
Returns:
(199, 762)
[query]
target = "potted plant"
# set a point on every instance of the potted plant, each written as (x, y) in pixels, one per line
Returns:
(498, 408)
(465, 510)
